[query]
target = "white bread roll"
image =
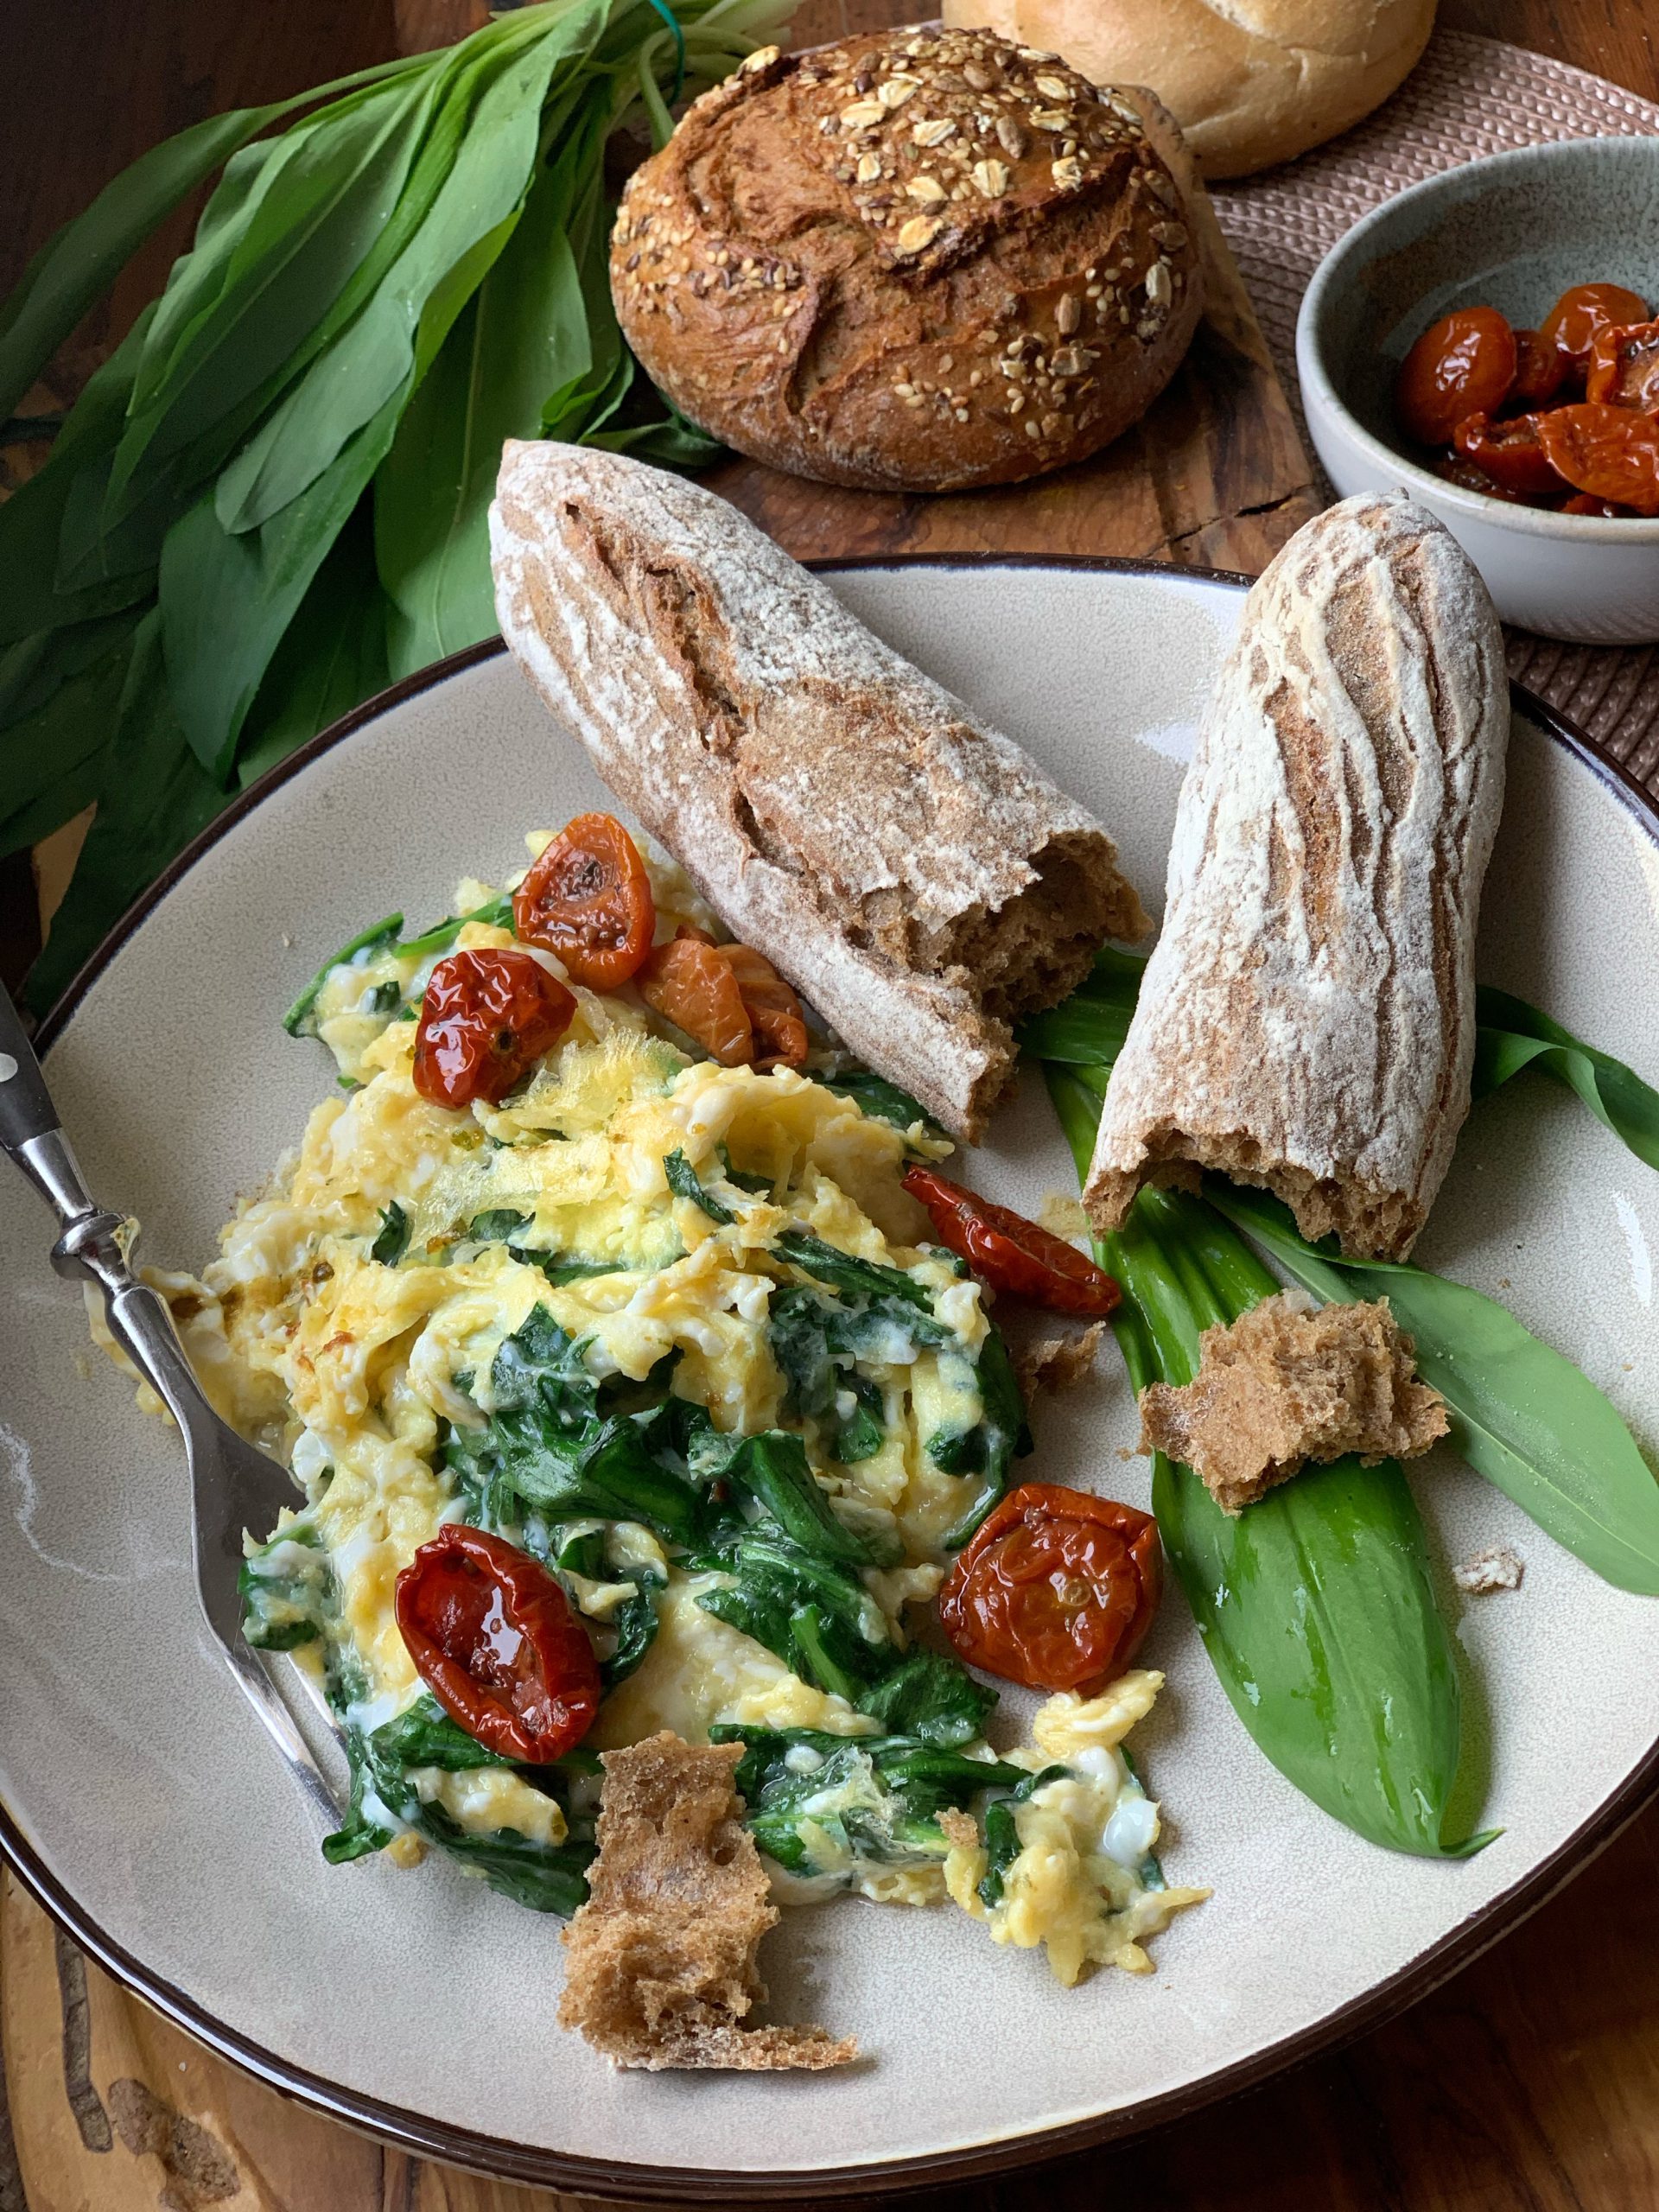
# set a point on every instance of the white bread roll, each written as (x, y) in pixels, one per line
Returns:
(1306, 1021)
(1250, 82)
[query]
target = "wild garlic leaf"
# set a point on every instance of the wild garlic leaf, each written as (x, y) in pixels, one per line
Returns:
(215, 461)
(331, 655)
(390, 1246)
(685, 1182)
(52, 756)
(468, 188)
(154, 795)
(79, 262)
(521, 335)
(1523, 1414)
(1514, 1035)
(226, 601)
(31, 520)
(875, 1096)
(1315, 1605)
(321, 202)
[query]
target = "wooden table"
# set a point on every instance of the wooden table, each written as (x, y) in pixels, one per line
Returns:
(1530, 2083)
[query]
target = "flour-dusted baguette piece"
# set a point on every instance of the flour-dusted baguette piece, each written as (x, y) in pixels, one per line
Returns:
(915, 877)
(1306, 1021)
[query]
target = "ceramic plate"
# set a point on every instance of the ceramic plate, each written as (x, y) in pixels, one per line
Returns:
(143, 1805)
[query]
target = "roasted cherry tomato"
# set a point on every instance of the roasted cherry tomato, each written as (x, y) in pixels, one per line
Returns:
(1582, 310)
(1584, 503)
(1625, 365)
(1540, 370)
(691, 986)
(774, 1011)
(1462, 364)
(1454, 468)
(1010, 1253)
(496, 1642)
(1509, 452)
(1612, 453)
(1057, 1589)
(487, 1017)
(587, 898)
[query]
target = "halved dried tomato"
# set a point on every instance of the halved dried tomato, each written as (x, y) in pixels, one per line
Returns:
(487, 1017)
(771, 1006)
(1462, 364)
(1454, 468)
(492, 1636)
(1582, 310)
(587, 898)
(1540, 370)
(1055, 1590)
(1509, 452)
(1612, 453)
(1625, 367)
(1010, 1253)
(689, 984)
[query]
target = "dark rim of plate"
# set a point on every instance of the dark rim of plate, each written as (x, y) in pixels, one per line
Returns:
(414, 2131)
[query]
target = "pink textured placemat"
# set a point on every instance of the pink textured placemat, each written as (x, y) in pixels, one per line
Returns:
(1466, 97)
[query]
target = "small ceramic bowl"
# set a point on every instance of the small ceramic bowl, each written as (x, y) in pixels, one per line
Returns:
(1511, 233)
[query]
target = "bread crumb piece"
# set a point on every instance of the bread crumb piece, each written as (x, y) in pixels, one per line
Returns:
(1287, 1382)
(660, 1966)
(1500, 1568)
(1055, 1363)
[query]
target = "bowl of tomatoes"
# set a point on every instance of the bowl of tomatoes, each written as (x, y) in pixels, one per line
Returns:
(1488, 342)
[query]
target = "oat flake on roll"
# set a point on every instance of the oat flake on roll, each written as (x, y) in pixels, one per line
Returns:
(915, 260)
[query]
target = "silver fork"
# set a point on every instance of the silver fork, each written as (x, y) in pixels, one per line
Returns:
(232, 1485)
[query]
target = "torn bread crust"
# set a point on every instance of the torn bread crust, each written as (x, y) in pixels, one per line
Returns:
(1306, 1019)
(660, 1962)
(1055, 1363)
(1288, 1382)
(914, 874)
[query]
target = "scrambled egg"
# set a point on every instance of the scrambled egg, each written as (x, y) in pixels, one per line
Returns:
(352, 1322)
(1084, 1880)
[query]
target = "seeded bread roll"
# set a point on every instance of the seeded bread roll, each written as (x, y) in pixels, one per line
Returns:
(1306, 1021)
(917, 878)
(911, 261)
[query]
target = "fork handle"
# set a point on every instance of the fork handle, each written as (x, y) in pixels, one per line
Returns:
(26, 1107)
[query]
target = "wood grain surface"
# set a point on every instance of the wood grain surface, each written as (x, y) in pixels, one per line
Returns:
(1530, 2083)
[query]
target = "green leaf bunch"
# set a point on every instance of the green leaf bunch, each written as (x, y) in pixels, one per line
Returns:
(272, 498)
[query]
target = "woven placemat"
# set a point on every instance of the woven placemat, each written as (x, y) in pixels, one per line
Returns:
(1467, 96)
